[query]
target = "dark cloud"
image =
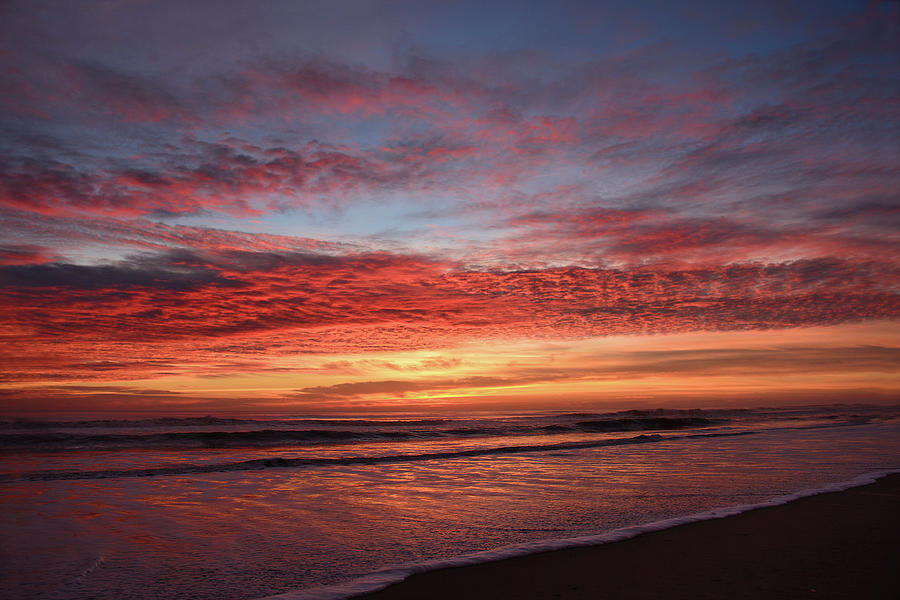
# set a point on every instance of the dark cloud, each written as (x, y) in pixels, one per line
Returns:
(15, 254)
(403, 387)
(141, 274)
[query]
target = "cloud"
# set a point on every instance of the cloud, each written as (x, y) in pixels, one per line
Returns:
(69, 234)
(195, 308)
(321, 86)
(202, 177)
(114, 277)
(760, 362)
(62, 399)
(708, 363)
(653, 185)
(594, 233)
(403, 387)
(24, 254)
(812, 124)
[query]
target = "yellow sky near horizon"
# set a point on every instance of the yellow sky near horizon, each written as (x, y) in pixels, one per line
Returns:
(848, 362)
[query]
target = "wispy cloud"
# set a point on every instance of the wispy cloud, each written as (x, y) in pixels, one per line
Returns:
(311, 189)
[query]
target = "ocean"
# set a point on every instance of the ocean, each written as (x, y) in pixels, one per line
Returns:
(320, 507)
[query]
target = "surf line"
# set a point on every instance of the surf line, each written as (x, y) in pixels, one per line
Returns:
(391, 575)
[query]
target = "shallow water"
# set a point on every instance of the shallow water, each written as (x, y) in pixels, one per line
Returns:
(85, 522)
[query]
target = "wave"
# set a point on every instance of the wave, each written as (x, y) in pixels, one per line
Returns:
(283, 463)
(828, 411)
(391, 575)
(645, 423)
(228, 433)
(211, 421)
(191, 439)
(264, 438)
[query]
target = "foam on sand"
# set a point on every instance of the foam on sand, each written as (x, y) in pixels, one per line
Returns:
(382, 579)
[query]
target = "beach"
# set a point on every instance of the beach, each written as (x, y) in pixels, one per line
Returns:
(834, 545)
(242, 509)
(308, 300)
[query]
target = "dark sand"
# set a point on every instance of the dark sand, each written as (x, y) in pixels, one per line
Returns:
(836, 545)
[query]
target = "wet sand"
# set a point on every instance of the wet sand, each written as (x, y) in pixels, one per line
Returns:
(836, 545)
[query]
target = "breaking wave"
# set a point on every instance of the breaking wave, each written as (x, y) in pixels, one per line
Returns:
(283, 463)
(35, 439)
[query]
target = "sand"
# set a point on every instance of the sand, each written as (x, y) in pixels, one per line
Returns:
(837, 545)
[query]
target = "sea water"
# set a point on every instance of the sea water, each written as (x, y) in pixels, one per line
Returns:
(321, 507)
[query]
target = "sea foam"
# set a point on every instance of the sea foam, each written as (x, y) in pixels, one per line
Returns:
(391, 575)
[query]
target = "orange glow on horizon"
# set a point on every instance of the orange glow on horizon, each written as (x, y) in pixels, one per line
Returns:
(799, 363)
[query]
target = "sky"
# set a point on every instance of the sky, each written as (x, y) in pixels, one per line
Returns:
(296, 208)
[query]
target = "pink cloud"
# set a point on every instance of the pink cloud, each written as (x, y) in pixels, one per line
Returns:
(302, 302)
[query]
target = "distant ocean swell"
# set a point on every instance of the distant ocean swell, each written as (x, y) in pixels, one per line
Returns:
(282, 463)
(184, 422)
(36, 440)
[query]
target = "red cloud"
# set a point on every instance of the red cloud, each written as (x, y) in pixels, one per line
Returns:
(22, 254)
(73, 233)
(598, 234)
(212, 177)
(327, 88)
(297, 302)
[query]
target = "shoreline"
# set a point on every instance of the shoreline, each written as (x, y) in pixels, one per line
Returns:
(544, 565)
(839, 544)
